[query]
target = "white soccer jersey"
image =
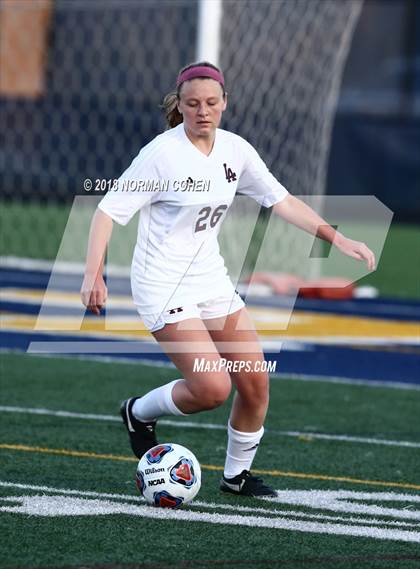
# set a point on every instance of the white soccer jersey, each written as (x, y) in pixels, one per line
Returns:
(183, 196)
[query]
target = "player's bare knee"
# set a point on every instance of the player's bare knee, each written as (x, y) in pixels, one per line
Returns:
(215, 393)
(254, 389)
(215, 398)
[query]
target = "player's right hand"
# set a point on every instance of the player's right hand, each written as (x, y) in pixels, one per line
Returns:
(356, 249)
(94, 295)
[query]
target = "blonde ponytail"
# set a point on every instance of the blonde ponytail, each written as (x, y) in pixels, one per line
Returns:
(169, 105)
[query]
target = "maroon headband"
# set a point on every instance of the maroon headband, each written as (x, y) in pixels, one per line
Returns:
(200, 71)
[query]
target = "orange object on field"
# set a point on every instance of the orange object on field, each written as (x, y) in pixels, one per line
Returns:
(332, 288)
(287, 284)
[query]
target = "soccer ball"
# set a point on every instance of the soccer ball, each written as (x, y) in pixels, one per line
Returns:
(168, 475)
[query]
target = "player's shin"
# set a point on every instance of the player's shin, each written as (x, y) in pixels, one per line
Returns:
(156, 403)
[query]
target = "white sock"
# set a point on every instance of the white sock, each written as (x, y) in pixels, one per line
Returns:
(240, 451)
(156, 403)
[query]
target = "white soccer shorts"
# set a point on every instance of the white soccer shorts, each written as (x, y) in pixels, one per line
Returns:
(214, 308)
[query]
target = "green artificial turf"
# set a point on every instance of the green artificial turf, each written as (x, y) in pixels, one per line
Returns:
(299, 463)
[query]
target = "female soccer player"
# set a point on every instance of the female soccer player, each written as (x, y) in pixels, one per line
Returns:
(184, 182)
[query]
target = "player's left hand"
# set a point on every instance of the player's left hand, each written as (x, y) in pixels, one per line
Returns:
(356, 249)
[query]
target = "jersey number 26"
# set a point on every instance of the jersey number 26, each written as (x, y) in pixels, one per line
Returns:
(204, 214)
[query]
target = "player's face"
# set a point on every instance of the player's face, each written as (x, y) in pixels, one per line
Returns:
(201, 105)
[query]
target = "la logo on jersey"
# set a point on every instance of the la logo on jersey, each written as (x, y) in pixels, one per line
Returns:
(230, 175)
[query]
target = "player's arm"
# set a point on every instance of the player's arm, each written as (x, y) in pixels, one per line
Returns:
(300, 214)
(93, 291)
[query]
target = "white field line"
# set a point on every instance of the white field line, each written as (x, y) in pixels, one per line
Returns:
(348, 381)
(209, 505)
(276, 375)
(212, 426)
(61, 503)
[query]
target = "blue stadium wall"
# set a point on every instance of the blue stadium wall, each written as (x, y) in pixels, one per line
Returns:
(376, 139)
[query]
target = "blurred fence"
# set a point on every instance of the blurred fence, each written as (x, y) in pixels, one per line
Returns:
(99, 71)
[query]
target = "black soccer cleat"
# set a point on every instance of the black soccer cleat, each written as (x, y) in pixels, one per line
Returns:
(245, 484)
(142, 435)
